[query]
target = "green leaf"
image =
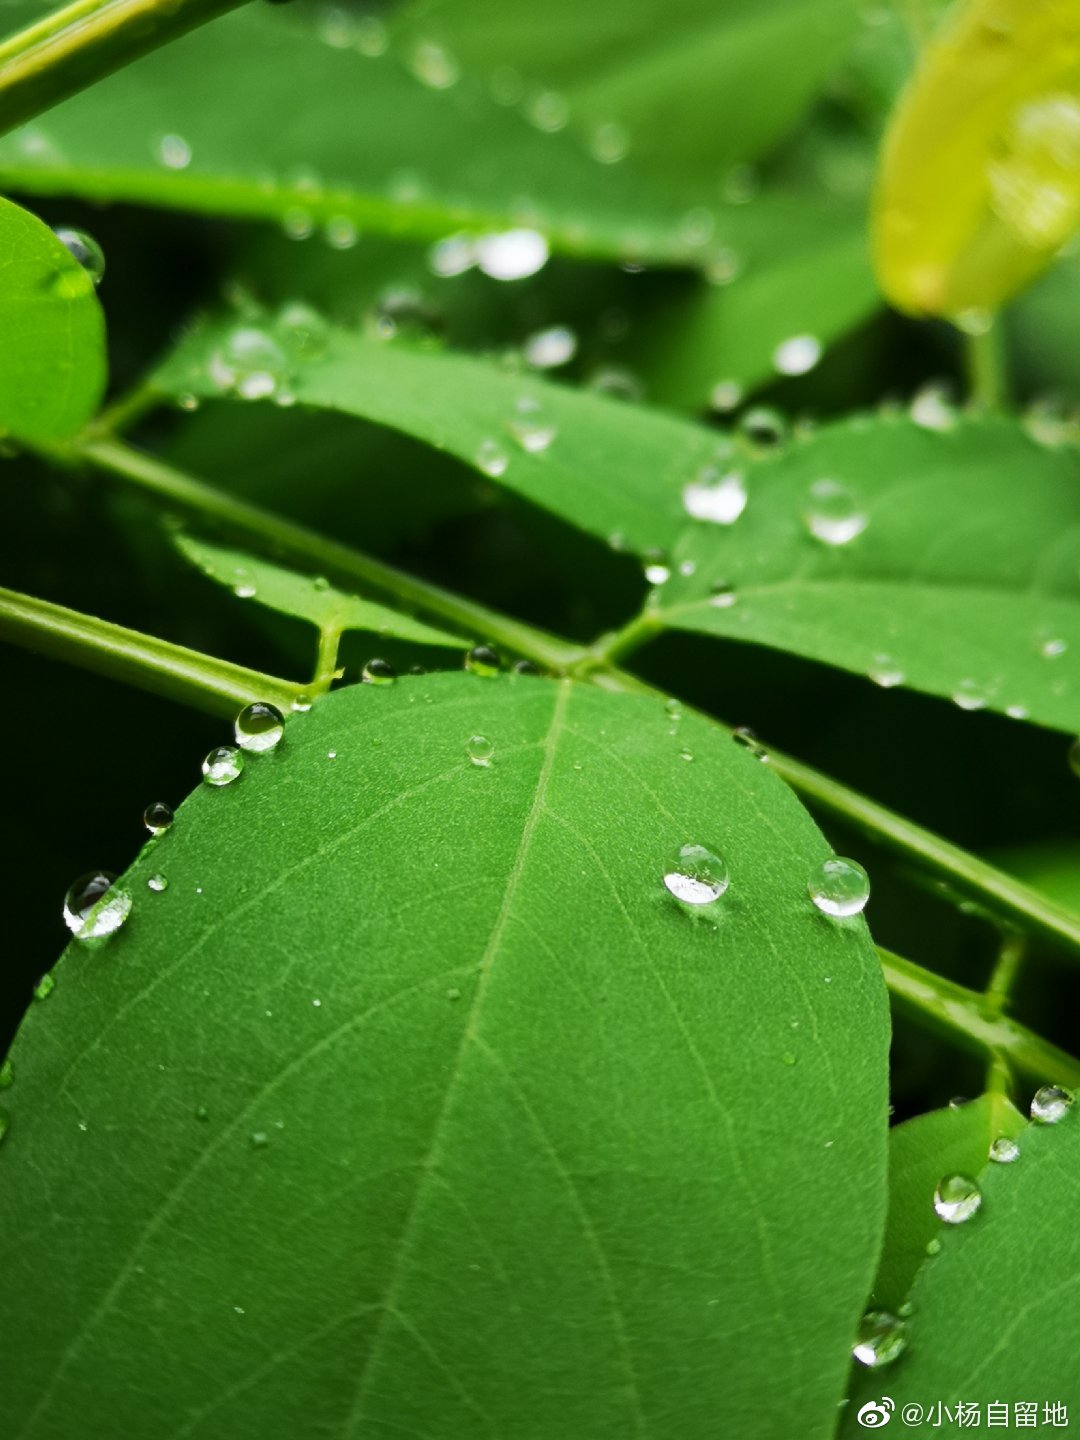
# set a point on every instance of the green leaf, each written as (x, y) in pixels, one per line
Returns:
(497, 1140)
(995, 1313)
(965, 581)
(807, 273)
(52, 356)
(168, 131)
(921, 1151)
(692, 86)
(613, 469)
(305, 597)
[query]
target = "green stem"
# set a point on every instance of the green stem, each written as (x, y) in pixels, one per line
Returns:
(72, 48)
(294, 541)
(645, 626)
(199, 680)
(963, 1014)
(326, 660)
(1010, 956)
(987, 379)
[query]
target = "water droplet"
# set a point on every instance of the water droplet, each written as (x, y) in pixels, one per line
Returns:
(548, 111)
(434, 66)
(722, 595)
(512, 255)
(1033, 173)
(7, 1075)
(158, 817)
(174, 152)
(480, 750)
(723, 266)
(686, 755)
(378, 672)
(797, 355)
(222, 766)
(970, 695)
(618, 383)
(881, 1338)
(832, 513)
(746, 737)
(453, 255)
(839, 887)
(956, 1199)
(788, 1057)
(696, 876)
(932, 408)
(530, 425)
(336, 27)
(933, 1247)
(45, 986)
(609, 143)
(547, 349)
(1004, 1150)
(715, 496)
(372, 38)
(85, 249)
(885, 672)
(259, 727)
(202, 1113)
(1050, 1104)
(657, 567)
(403, 312)
(725, 395)
(301, 704)
(302, 329)
(483, 660)
(341, 233)
(525, 667)
(259, 1140)
(763, 428)
(250, 362)
(297, 223)
(1050, 647)
(95, 906)
(673, 709)
(157, 883)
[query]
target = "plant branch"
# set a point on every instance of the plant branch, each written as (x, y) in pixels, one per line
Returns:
(198, 680)
(73, 47)
(965, 1016)
(987, 379)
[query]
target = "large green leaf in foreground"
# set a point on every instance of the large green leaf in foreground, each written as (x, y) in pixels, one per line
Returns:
(416, 1105)
(959, 571)
(995, 1313)
(613, 469)
(52, 332)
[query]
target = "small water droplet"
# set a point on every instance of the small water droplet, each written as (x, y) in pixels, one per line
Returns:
(1051, 646)
(304, 332)
(158, 817)
(880, 1339)
(222, 766)
(932, 408)
(956, 1199)
(547, 349)
(696, 876)
(530, 425)
(526, 667)
(372, 37)
(85, 249)
(832, 513)
(747, 738)
(453, 993)
(45, 986)
(483, 660)
(1004, 1150)
(202, 1113)
(673, 709)
(340, 233)
(617, 383)
(933, 1247)
(403, 312)
(548, 111)
(839, 887)
(434, 66)
(95, 906)
(453, 255)
(512, 255)
(686, 754)
(970, 695)
(1050, 1104)
(259, 1140)
(722, 595)
(174, 152)
(797, 355)
(248, 362)
(301, 704)
(763, 428)
(480, 750)
(725, 396)
(259, 727)
(657, 567)
(884, 671)
(378, 672)
(157, 883)
(716, 496)
(609, 143)
(788, 1057)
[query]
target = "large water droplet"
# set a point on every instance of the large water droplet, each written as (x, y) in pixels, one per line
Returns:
(302, 329)
(174, 152)
(250, 362)
(95, 906)
(480, 750)
(549, 348)
(797, 355)
(880, 1339)
(378, 672)
(839, 887)
(1004, 1150)
(259, 727)
(158, 817)
(512, 255)
(483, 660)
(696, 876)
(530, 425)
(715, 496)
(1050, 1104)
(222, 766)
(956, 1199)
(832, 513)
(85, 249)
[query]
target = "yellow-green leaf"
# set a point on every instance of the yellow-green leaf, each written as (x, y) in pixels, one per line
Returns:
(979, 184)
